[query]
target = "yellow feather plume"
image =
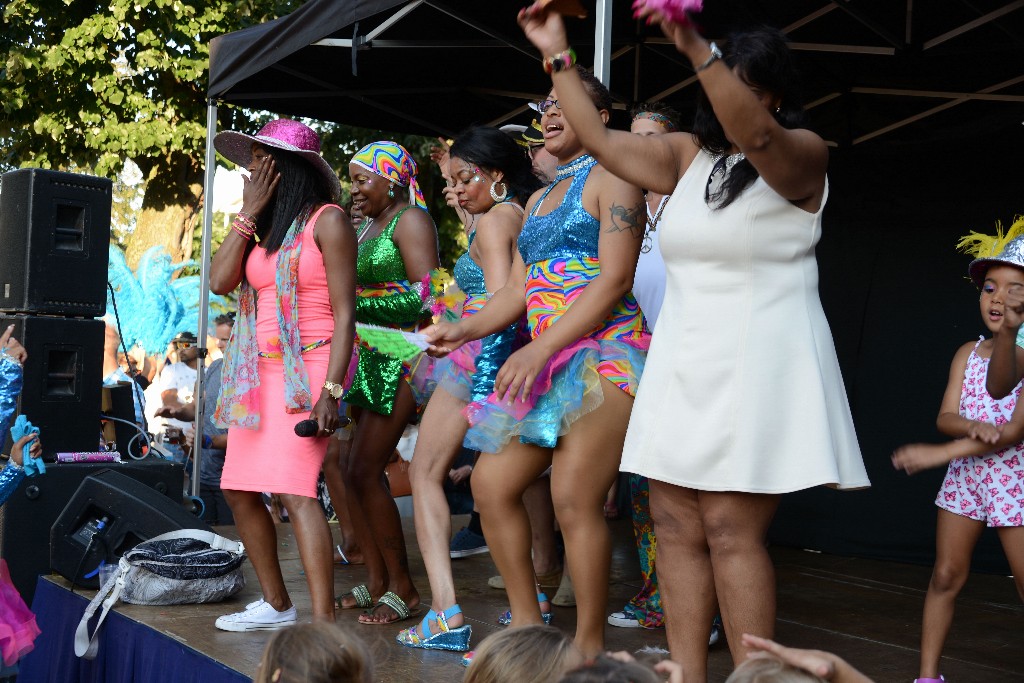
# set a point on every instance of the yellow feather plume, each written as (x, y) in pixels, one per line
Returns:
(980, 245)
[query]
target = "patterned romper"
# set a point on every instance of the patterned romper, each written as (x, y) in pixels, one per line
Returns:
(988, 488)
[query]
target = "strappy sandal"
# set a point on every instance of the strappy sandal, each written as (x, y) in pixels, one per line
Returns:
(362, 595)
(506, 618)
(454, 640)
(395, 603)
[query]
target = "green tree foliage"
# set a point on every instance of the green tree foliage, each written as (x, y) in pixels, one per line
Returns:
(86, 85)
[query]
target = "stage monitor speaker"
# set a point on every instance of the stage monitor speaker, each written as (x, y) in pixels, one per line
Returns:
(27, 517)
(109, 515)
(119, 402)
(55, 231)
(63, 376)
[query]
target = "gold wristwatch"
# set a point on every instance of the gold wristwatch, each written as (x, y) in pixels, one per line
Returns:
(335, 389)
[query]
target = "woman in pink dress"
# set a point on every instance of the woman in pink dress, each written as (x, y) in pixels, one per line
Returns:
(287, 357)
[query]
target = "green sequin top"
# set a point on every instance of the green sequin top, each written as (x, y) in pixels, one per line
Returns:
(385, 295)
(378, 259)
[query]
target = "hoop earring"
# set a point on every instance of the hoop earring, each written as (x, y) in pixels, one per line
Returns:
(499, 198)
(391, 191)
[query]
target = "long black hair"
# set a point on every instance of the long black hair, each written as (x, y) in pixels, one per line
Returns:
(762, 59)
(490, 148)
(299, 190)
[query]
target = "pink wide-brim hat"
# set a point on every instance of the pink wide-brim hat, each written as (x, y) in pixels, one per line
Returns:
(286, 134)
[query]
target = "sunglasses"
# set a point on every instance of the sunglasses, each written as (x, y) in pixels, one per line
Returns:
(183, 344)
(544, 105)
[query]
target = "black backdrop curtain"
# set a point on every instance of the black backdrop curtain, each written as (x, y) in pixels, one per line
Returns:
(897, 296)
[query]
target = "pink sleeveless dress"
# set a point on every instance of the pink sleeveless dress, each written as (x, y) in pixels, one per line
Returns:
(271, 458)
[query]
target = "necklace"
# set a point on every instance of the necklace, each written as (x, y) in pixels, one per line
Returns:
(652, 224)
(367, 224)
(720, 168)
(573, 167)
(730, 160)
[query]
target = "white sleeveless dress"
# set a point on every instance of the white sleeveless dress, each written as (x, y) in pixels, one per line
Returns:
(742, 389)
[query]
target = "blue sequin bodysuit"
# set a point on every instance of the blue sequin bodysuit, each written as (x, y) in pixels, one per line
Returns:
(560, 250)
(469, 372)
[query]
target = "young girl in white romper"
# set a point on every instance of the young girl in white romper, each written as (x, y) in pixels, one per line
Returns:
(984, 482)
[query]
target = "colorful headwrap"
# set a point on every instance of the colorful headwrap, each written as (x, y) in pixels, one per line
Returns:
(392, 161)
(664, 121)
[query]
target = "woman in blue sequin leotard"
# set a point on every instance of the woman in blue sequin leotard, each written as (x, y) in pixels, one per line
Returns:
(489, 176)
(563, 399)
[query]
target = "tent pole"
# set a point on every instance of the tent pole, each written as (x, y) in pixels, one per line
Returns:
(204, 292)
(603, 42)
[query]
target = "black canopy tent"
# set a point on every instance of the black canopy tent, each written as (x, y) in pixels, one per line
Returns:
(421, 66)
(909, 95)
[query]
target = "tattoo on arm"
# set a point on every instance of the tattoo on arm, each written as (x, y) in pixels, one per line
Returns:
(626, 218)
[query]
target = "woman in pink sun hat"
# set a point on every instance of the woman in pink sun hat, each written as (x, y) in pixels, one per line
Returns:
(292, 250)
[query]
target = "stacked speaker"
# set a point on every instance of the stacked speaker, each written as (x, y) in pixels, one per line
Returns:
(54, 249)
(54, 242)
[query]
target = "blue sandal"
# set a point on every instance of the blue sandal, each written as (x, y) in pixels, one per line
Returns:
(506, 618)
(454, 640)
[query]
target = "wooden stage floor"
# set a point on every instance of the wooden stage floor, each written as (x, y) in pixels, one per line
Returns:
(867, 611)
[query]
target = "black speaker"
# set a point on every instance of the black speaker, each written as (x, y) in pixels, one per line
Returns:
(55, 228)
(63, 377)
(109, 515)
(119, 402)
(27, 517)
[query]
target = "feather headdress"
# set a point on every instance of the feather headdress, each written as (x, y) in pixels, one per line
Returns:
(987, 250)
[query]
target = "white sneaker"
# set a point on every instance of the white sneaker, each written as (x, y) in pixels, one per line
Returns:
(623, 620)
(257, 616)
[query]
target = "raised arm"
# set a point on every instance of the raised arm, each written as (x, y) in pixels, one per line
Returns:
(1006, 368)
(228, 263)
(791, 161)
(655, 162)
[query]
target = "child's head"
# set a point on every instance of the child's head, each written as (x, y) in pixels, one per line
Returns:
(528, 653)
(319, 652)
(606, 669)
(768, 669)
(998, 279)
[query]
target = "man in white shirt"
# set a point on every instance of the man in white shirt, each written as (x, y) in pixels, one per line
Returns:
(175, 385)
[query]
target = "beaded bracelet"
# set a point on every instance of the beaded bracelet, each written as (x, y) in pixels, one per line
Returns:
(246, 221)
(245, 231)
(563, 61)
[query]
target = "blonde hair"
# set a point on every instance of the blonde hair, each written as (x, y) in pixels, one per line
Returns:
(320, 652)
(537, 653)
(768, 669)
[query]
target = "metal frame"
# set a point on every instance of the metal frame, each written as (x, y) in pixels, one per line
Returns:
(603, 56)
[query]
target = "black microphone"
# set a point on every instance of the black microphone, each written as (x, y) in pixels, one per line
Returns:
(311, 427)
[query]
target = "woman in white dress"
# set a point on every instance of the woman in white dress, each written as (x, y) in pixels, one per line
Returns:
(742, 399)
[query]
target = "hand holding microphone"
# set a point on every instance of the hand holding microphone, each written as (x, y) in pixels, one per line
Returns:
(309, 428)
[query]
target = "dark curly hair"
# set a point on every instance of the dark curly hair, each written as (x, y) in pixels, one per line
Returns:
(763, 60)
(492, 149)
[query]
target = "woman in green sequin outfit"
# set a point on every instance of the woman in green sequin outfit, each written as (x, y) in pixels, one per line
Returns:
(397, 251)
